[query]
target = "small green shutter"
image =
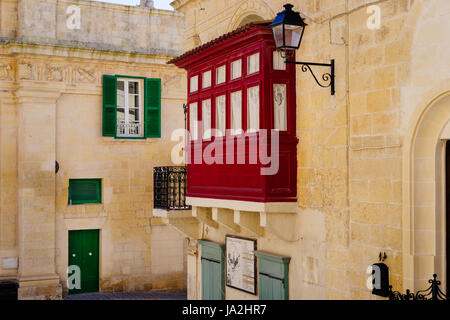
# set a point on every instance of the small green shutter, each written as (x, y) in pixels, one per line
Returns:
(153, 108)
(109, 106)
(85, 191)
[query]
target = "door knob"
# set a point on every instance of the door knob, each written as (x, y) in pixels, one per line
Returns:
(90, 253)
(74, 255)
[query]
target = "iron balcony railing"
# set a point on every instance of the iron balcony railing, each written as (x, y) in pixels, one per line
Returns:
(169, 188)
(433, 292)
(129, 129)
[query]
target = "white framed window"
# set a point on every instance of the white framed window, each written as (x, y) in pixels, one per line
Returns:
(221, 74)
(253, 109)
(278, 61)
(236, 112)
(206, 118)
(253, 63)
(236, 69)
(206, 79)
(280, 106)
(130, 105)
(193, 120)
(220, 116)
(193, 84)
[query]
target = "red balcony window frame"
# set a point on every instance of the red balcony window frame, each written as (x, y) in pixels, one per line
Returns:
(242, 181)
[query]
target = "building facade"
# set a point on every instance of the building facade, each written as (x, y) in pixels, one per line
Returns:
(371, 159)
(87, 108)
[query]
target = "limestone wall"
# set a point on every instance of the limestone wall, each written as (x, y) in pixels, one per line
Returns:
(51, 109)
(92, 24)
(355, 188)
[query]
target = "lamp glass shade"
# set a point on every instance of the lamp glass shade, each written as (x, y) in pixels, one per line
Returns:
(292, 36)
(278, 36)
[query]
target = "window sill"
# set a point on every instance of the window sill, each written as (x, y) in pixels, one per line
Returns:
(84, 204)
(130, 140)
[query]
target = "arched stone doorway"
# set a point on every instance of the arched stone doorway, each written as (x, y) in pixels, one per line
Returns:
(425, 196)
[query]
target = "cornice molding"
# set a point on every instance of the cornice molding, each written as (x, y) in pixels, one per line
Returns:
(76, 49)
(177, 4)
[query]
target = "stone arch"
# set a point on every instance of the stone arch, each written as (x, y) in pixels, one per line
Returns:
(423, 220)
(250, 8)
(250, 18)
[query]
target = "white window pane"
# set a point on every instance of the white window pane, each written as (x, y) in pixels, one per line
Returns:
(236, 112)
(194, 84)
(133, 87)
(206, 79)
(236, 69)
(220, 116)
(253, 63)
(279, 106)
(133, 101)
(253, 109)
(120, 114)
(120, 87)
(129, 111)
(193, 122)
(120, 100)
(206, 118)
(220, 74)
(133, 115)
(278, 61)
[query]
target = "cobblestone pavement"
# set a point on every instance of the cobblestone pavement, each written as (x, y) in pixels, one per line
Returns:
(153, 295)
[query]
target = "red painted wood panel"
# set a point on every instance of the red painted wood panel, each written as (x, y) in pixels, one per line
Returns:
(242, 181)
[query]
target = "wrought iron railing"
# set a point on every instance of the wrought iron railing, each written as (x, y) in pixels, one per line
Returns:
(433, 292)
(169, 188)
(129, 129)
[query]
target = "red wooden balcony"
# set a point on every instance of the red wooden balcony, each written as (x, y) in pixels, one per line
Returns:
(241, 101)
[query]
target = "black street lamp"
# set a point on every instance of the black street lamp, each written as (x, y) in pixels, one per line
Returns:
(287, 31)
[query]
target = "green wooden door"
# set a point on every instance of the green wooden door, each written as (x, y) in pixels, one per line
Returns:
(271, 288)
(212, 280)
(84, 253)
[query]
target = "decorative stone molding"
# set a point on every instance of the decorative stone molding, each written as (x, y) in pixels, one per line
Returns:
(5, 72)
(86, 73)
(24, 71)
(256, 7)
(147, 4)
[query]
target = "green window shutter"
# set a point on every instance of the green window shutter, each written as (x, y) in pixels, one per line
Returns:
(213, 270)
(152, 108)
(109, 123)
(212, 279)
(271, 288)
(273, 274)
(85, 191)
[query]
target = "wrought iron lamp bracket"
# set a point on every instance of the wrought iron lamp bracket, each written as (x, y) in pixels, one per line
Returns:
(327, 78)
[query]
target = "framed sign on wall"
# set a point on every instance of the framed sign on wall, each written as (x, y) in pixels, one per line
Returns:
(241, 263)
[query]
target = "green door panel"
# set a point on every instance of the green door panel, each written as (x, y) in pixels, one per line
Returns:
(84, 253)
